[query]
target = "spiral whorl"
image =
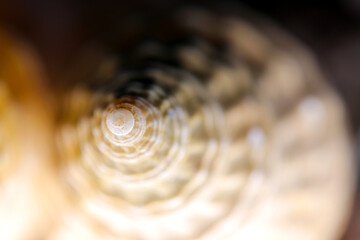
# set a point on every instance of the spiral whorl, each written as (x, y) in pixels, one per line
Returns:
(150, 130)
(209, 129)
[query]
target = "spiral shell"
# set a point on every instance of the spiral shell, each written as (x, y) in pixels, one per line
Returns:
(217, 127)
(25, 127)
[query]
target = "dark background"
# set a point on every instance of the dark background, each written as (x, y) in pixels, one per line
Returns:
(331, 29)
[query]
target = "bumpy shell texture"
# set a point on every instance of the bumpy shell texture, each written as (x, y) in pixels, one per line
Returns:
(195, 124)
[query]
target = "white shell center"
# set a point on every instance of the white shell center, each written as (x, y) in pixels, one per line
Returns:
(120, 121)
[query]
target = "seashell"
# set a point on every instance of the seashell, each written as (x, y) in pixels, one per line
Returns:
(25, 128)
(218, 126)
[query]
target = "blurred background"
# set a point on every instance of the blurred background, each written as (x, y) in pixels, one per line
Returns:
(330, 29)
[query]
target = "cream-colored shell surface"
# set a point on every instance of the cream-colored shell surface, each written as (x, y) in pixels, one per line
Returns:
(28, 189)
